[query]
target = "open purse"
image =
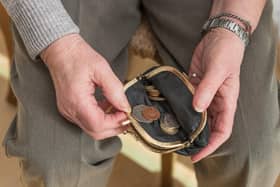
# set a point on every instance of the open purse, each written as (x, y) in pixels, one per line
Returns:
(162, 116)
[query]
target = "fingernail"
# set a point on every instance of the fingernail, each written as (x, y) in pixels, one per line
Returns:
(194, 160)
(200, 105)
(126, 122)
(198, 109)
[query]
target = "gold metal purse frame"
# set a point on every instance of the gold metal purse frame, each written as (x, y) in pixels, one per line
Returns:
(141, 135)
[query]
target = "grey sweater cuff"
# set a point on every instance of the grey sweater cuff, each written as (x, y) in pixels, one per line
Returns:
(39, 22)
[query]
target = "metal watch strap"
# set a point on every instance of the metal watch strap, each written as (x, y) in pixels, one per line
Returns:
(229, 25)
(246, 23)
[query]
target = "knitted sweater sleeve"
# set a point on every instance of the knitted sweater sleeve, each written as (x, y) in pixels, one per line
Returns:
(39, 22)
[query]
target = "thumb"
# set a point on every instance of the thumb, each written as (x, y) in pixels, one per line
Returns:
(207, 88)
(113, 89)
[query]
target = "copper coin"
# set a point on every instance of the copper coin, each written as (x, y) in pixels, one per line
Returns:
(151, 113)
(137, 114)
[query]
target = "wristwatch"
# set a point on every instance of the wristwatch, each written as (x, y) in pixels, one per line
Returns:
(229, 25)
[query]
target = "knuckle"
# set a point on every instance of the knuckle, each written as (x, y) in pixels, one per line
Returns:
(89, 128)
(101, 63)
(230, 105)
(118, 84)
(97, 128)
(227, 135)
(227, 106)
(97, 136)
(100, 59)
(209, 87)
(92, 128)
(117, 95)
(63, 109)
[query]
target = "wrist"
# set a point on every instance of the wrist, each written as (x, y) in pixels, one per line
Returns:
(222, 21)
(228, 35)
(253, 23)
(244, 9)
(60, 48)
(228, 47)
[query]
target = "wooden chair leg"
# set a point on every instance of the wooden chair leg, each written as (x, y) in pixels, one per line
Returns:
(5, 27)
(11, 97)
(166, 170)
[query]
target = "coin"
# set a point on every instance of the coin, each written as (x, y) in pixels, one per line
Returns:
(157, 98)
(151, 113)
(137, 114)
(169, 124)
(154, 93)
(149, 87)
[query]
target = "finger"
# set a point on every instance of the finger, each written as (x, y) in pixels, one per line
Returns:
(107, 107)
(195, 66)
(207, 88)
(104, 104)
(194, 69)
(195, 80)
(108, 133)
(112, 89)
(93, 118)
(220, 131)
(216, 139)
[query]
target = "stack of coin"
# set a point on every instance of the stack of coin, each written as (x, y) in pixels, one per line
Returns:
(145, 113)
(153, 93)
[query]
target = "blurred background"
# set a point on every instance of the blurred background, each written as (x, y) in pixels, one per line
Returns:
(135, 166)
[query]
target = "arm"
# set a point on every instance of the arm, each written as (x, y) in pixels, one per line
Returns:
(48, 31)
(39, 22)
(218, 70)
(250, 10)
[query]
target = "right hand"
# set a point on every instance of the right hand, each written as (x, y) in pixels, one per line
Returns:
(76, 70)
(217, 84)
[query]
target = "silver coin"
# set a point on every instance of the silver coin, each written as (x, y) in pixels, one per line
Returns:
(137, 114)
(169, 124)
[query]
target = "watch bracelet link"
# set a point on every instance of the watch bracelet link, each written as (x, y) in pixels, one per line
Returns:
(246, 23)
(228, 24)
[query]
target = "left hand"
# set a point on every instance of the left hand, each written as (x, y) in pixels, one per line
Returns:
(216, 61)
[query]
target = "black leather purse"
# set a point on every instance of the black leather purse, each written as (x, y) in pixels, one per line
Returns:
(162, 116)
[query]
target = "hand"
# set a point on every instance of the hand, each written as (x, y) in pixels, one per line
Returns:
(76, 70)
(216, 61)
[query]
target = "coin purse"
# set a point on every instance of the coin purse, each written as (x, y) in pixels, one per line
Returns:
(162, 116)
